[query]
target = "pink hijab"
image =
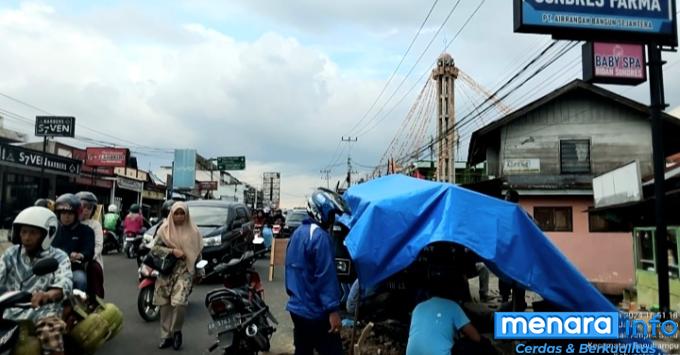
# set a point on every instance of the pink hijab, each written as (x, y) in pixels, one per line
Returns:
(185, 237)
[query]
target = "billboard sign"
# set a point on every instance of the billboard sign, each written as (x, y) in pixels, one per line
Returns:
(108, 157)
(617, 20)
(621, 185)
(55, 126)
(271, 188)
(614, 63)
(184, 169)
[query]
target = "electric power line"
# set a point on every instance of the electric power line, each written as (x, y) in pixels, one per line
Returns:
(403, 57)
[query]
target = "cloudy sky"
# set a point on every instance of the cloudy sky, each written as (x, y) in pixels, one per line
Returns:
(277, 81)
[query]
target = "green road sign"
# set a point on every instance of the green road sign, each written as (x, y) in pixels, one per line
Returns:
(231, 163)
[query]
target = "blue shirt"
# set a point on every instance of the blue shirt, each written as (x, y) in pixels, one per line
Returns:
(433, 326)
(311, 281)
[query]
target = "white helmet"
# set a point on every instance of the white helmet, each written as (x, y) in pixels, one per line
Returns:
(113, 209)
(39, 217)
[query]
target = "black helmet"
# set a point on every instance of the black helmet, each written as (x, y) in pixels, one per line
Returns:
(44, 202)
(324, 204)
(67, 203)
(166, 207)
(134, 208)
(87, 197)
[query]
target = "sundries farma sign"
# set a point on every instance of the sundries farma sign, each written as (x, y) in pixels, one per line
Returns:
(618, 20)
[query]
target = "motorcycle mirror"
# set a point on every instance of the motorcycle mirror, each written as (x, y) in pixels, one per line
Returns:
(45, 266)
(202, 264)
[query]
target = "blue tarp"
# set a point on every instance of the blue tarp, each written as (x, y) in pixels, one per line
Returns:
(393, 218)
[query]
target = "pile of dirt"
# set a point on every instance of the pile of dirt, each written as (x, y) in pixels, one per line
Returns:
(385, 338)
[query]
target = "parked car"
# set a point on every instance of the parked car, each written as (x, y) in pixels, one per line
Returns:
(293, 220)
(226, 228)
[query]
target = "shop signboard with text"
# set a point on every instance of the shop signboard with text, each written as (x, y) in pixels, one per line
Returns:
(129, 184)
(207, 185)
(614, 63)
(617, 20)
(107, 157)
(55, 126)
(36, 159)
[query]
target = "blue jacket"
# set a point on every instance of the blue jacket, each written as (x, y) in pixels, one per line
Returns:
(311, 281)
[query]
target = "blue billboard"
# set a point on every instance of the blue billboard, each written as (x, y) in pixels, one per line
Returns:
(184, 169)
(640, 21)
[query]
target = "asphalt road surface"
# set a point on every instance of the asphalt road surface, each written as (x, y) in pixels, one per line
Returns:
(140, 337)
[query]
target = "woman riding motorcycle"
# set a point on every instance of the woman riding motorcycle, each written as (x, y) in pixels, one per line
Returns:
(95, 269)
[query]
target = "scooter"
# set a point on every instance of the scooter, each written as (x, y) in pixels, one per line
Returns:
(132, 242)
(147, 285)
(241, 320)
(9, 330)
(112, 242)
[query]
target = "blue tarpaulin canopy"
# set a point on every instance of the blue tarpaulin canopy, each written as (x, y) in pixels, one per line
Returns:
(393, 218)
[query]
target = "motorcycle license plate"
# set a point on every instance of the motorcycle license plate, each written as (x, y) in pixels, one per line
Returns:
(222, 325)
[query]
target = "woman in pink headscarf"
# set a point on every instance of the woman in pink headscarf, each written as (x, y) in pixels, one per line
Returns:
(178, 236)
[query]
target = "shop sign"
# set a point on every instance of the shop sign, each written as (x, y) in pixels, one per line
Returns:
(614, 63)
(131, 173)
(207, 185)
(111, 157)
(521, 166)
(89, 181)
(591, 20)
(36, 159)
(153, 195)
(55, 126)
(129, 184)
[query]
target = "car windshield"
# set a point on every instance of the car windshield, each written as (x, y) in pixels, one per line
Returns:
(297, 217)
(208, 215)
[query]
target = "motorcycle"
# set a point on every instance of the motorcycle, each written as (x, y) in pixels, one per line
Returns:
(147, 285)
(241, 320)
(112, 242)
(9, 330)
(132, 242)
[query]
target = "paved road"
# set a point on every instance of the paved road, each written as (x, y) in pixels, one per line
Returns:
(139, 337)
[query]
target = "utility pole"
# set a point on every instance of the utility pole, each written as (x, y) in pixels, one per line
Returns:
(349, 159)
(657, 105)
(326, 176)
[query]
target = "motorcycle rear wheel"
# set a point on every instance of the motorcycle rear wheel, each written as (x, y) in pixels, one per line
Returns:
(130, 251)
(147, 310)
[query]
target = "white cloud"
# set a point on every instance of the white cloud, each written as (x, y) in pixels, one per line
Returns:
(280, 103)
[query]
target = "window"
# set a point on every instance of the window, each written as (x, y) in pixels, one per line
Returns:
(554, 219)
(645, 250)
(602, 222)
(575, 156)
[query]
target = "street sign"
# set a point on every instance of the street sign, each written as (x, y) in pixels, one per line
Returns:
(184, 169)
(55, 126)
(591, 20)
(231, 163)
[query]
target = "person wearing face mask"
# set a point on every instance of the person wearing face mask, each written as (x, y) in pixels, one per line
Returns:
(74, 238)
(178, 236)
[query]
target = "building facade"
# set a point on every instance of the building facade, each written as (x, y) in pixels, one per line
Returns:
(550, 150)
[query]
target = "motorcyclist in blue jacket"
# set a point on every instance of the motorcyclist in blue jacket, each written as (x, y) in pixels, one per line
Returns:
(311, 281)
